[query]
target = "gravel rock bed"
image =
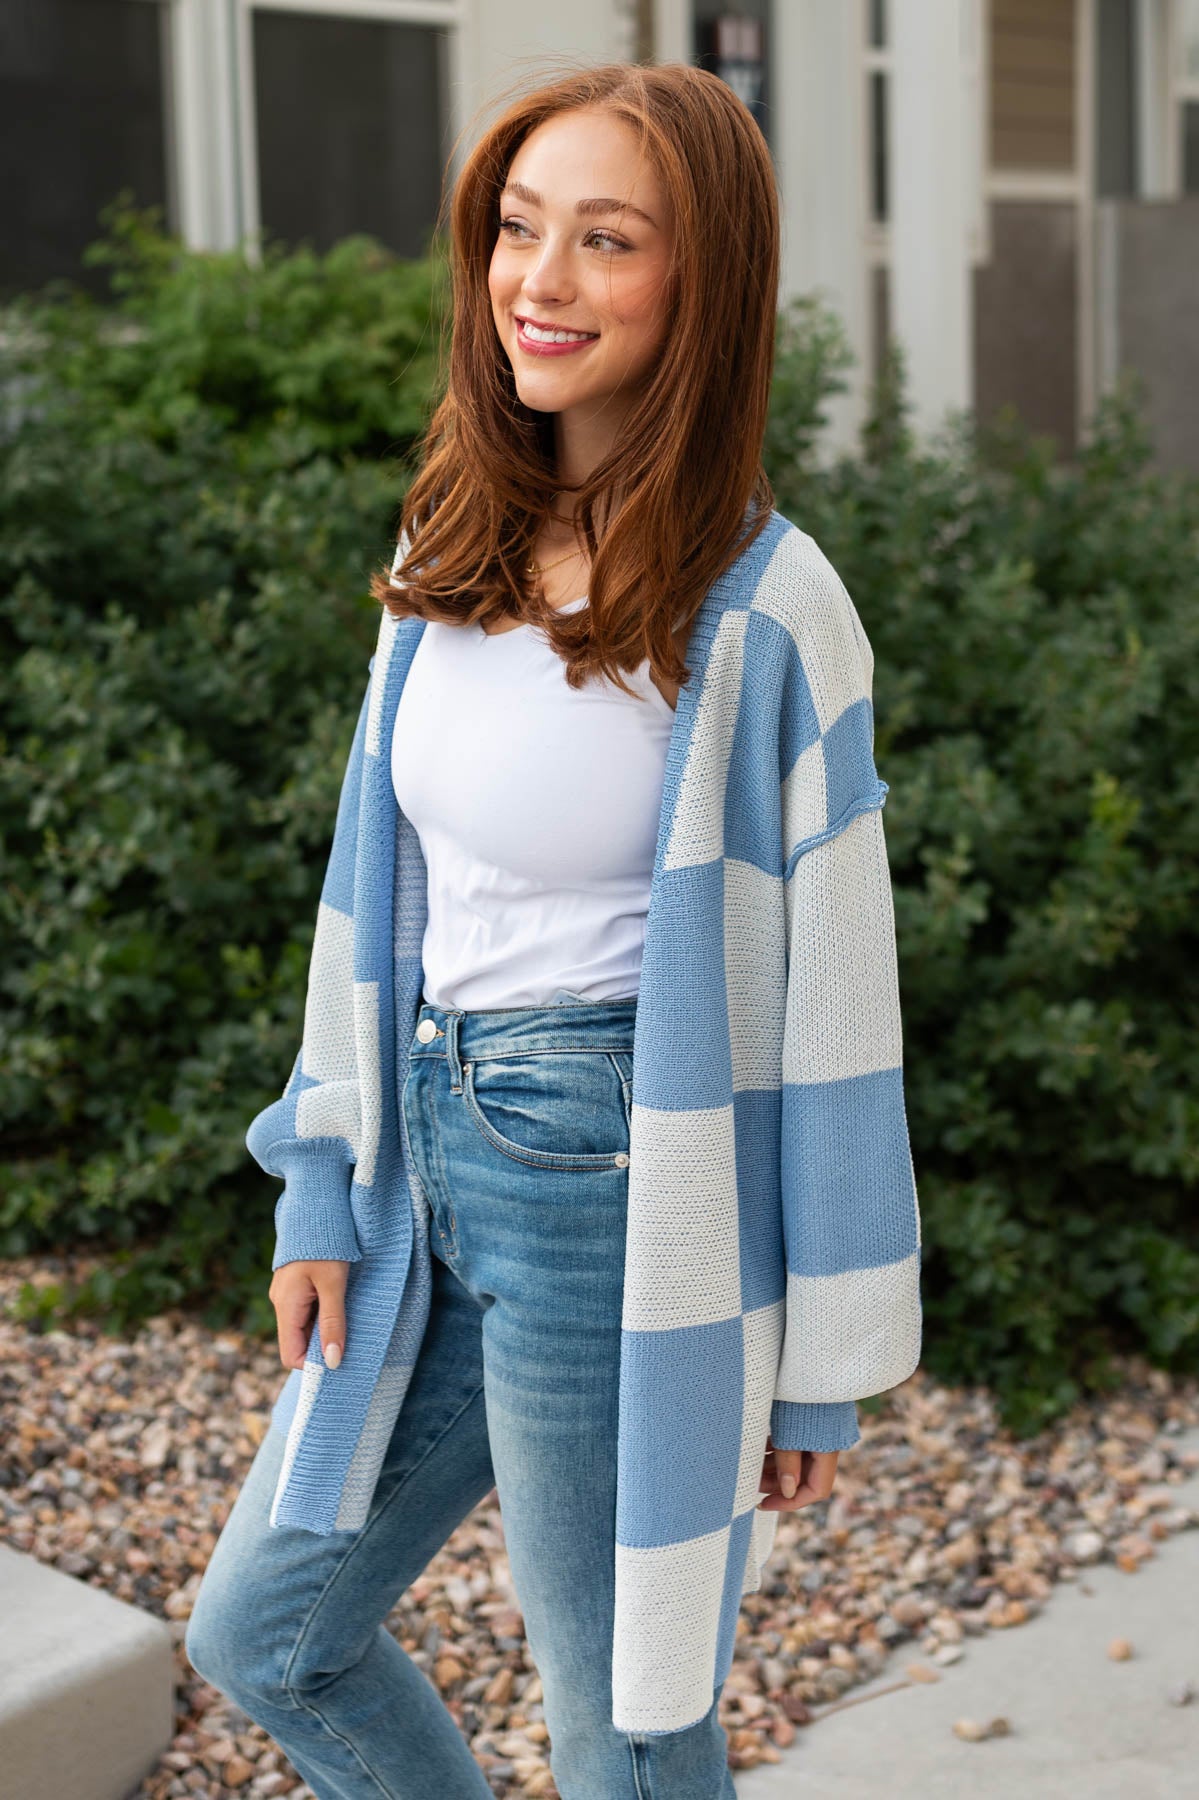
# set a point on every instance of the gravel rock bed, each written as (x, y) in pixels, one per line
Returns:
(121, 1460)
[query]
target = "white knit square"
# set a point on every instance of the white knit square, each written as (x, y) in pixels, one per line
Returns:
(332, 1110)
(668, 1604)
(403, 545)
(310, 1382)
(761, 1543)
(851, 1334)
(370, 1082)
(755, 959)
(682, 1252)
(697, 829)
(328, 1017)
(843, 1014)
(805, 797)
(762, 1330)
(362, 1475)
(802, 590)
(389, 625)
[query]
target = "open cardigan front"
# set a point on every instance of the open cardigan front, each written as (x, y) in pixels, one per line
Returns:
(772, 1266)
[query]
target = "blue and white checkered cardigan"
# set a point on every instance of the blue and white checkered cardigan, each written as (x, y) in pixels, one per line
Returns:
(772, 1272)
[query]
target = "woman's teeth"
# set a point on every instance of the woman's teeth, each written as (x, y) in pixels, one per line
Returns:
(555, 337)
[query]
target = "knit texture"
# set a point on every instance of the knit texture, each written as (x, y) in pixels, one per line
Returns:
(772, 1265)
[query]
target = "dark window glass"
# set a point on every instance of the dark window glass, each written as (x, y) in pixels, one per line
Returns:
(351, 128)
(879, 200)
(1190, 147)
(735, 44)
(82, 98)
(1115, 92)
(880, 317)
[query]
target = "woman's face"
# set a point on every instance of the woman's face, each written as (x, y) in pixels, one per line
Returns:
(600, 270)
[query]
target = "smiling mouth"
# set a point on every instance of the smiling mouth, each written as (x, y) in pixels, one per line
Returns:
(553, 334)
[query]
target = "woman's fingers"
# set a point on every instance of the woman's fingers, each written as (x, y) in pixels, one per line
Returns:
(293, 1292)
(807, 1473)
(331, 1292)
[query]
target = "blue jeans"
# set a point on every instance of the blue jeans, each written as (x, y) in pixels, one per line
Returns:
(518, 1123)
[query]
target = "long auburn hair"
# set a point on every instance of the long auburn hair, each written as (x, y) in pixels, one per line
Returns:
(684, 489)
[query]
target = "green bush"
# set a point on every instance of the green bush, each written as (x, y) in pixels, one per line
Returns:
(198, 478)
(1036, 634)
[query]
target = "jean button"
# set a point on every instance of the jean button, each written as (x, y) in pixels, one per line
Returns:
(426, 1031)
(621, 1159)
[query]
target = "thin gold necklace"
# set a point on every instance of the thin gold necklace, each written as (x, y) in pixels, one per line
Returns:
(535, 569)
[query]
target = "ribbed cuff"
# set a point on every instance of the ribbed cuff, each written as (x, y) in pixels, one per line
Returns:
(814, 1424)
(314, 1221)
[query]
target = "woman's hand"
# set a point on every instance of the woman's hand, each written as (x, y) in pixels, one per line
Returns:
(808, 1473)
(296, 1287)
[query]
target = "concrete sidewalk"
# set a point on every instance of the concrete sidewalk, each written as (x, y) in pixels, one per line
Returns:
(1082, 1726)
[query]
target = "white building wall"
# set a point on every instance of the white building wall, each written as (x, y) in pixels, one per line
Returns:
(821, 157)
(931, 282)
(505, 42)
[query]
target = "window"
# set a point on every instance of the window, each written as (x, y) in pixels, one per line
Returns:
(734, 46)
(350, 127)
(1188, 93)
(877, 62)
(84, 94)
(1115, 100)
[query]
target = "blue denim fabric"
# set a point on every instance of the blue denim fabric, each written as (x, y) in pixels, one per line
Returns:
(518, 1123)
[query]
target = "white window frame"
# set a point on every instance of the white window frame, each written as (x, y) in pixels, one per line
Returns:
(205, 129)
(976, 122)
(975, 18)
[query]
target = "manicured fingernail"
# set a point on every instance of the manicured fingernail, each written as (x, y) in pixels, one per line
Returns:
(332, 1355)
(787, 1483)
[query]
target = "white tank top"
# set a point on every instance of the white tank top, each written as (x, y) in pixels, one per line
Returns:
(536, 805)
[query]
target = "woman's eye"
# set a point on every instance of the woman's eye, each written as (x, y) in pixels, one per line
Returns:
(512, 226)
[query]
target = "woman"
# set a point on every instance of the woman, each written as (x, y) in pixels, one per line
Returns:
(595, 1156)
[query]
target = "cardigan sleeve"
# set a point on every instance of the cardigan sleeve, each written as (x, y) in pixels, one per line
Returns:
(310, 1137)
(851, 1224)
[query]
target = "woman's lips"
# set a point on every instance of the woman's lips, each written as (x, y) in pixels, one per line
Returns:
(534, 348)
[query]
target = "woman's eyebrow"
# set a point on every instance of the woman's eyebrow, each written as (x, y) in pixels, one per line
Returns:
(586, 209)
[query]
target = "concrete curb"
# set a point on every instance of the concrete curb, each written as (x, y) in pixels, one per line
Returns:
(86, 1687)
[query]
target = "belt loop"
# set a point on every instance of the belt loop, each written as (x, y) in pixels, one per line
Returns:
(451, 1051)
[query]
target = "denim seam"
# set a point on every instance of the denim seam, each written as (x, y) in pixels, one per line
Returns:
(626, 1090)
(636, 1750)
(305, 1706)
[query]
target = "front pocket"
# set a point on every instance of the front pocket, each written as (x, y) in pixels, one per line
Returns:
(560, 1109)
